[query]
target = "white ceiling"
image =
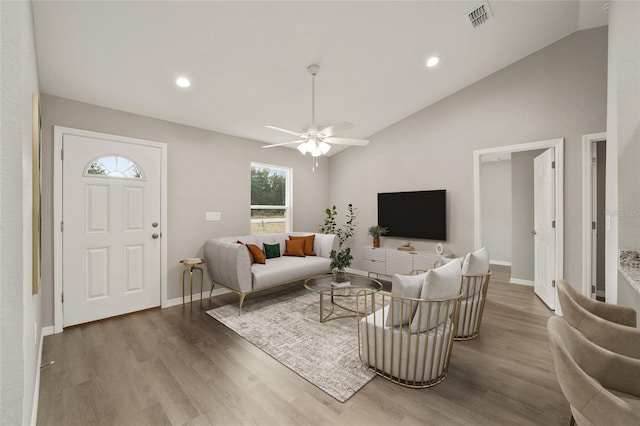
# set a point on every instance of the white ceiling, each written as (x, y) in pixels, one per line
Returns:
(247, 61)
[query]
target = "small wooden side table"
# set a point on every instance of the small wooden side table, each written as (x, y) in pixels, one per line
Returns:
(189, 266)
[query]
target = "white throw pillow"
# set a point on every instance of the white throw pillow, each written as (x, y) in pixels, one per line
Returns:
(440, 283)
(404, 286)
(476, 263)
(445, 260)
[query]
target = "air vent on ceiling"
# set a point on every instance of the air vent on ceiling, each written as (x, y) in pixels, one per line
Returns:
(479, 15)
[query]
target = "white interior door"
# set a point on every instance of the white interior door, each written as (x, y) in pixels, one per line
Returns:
(111, 206)
(544, 227)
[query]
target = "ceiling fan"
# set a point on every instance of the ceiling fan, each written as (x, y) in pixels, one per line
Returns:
(313, 139)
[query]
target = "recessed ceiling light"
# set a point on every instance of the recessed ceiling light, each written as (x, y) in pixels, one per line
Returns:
(183, 82)
(433, 61)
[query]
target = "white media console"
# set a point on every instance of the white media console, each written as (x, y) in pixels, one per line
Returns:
(392, 261)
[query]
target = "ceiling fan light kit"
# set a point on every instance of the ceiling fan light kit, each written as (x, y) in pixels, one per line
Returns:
(314, 140)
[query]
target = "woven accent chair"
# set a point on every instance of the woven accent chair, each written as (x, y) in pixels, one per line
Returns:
(619, 314)
(414, 354)
(602, 387)
(474, 294)
(610, 335)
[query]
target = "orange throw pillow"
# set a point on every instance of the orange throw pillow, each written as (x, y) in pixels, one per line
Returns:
(294, 248)
(308, 243)
(258, 255)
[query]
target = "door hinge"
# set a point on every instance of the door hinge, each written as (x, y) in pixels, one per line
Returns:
(61, 226)
(594, 161)
(62, 297)
(553, 164)
(593, 225)
(553, 223)
(553, 283)
(593, 289)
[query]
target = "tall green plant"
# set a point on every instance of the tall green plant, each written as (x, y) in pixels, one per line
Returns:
(341, 258)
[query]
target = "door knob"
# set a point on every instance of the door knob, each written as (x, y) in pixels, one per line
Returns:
(533, 232)
(154, 224)
(155, 236)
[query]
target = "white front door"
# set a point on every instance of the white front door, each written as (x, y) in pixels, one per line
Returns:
(544, 227)
(111, 206)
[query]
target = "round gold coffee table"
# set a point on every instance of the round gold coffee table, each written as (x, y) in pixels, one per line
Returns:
(323, 285)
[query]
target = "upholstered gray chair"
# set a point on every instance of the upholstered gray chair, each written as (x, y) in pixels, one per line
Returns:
(611, 335)
(602, 387)
(619, 314)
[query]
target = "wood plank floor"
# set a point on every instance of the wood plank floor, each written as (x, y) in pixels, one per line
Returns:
(178, 366)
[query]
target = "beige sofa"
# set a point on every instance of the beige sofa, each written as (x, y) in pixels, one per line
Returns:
(229, 265)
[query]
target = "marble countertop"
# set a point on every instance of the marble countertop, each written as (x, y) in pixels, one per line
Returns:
(629, 267)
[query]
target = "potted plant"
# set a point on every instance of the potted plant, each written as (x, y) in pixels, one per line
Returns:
(376, 232)
(341, 258)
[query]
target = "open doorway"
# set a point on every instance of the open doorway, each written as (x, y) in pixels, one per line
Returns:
(529, 269)
(594, 178)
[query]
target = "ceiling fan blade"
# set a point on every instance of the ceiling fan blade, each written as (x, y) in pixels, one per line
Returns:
(280, 129)
(347, 141)
(283, 143)
(332, 130)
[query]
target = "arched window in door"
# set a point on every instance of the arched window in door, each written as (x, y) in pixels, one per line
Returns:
(114, 166)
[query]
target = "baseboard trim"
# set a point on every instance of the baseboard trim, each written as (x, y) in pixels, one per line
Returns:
(600, 293)
(196, 296)
(500, 262)
(48, 331)
(521, 282)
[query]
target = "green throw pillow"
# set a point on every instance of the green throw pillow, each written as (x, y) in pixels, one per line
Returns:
(271, 250)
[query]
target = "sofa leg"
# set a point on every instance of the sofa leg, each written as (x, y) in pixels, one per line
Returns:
(573, 422)
(241, 296)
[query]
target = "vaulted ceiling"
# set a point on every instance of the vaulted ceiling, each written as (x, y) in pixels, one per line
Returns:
(247, 61)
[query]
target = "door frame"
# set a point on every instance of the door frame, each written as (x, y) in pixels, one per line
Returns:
(587, 199)
(59, 132)
(558, 144)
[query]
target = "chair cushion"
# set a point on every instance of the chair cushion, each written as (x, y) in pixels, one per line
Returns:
(404, 286)
(469, 315)
(403, 355)
(440, 283)
(476, 263)
(471, 285)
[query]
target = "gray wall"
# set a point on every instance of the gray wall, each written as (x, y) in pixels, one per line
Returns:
(522, 242)
(20, 329)
(559, 91)
(495, 196)
(207, 171)
(623, 145)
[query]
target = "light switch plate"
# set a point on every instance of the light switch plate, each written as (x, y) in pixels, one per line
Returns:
(212, 216)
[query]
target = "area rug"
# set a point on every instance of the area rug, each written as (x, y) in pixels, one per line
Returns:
(288, 328)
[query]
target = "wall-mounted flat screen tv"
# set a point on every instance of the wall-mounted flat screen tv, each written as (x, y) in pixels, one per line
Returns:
(414, 214)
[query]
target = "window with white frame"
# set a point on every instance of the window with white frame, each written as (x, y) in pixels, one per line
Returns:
(270, 199)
